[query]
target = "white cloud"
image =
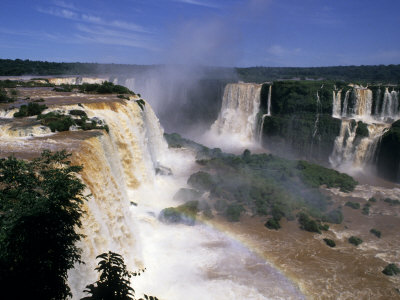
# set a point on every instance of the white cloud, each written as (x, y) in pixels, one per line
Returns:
(102, 35)
(278, 50)
(64, 4)
(199, 3)
(88, 18)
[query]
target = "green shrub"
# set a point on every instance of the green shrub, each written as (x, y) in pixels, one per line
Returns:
(141, 103)
(365, 210)
(272, 224)
(233, 212)
(392, 201)
(375, 232)
(372, 199)
(185, 213)
(391, 269)
(32, 109)
(355, 240)
(201, 181)
(77, 112)
(362, 130)
(353, 205)
(330, 243)
(307, 223)
(334, 216)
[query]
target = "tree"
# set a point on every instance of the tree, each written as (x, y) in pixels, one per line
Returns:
(40, 208)
(114, 282)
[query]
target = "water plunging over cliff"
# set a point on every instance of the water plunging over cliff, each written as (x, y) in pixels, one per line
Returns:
(238, 115)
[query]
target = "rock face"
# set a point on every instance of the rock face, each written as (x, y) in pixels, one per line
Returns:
(388, 158)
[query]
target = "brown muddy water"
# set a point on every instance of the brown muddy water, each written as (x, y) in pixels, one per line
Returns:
(343, 272)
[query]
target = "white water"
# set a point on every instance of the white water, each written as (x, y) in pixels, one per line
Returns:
(349, 154)
(390, 105)
(237, 120)
(182, 262)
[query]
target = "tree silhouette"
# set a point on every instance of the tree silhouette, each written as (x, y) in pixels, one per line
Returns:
(114, 282)
(40, 208)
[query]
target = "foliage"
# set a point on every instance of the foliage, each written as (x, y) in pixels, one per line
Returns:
(392, 201)
(202, 181)
(32, 109)
(60, 122)
(272, 224)
(64, 88)
(353, 205)
(295, 133)
(233, 212)
(379, 73)
(376, 232)
(105, 88)
(355, 240)
(330, 243)
(56, 122)
(77, 112)
(141, 103)
(40, 205)
(185, 213)
(388, 158)
(267, 185)
(334, 216)
(3, 96)
(365, 210)
(114, 279)
(316, 175)
(308, 224)
(372, 199)
(391, 269)
(362, 130)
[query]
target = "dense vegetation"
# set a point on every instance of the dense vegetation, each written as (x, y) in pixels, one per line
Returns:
(39, 211)
(266, 185)
(301, 124)
(388, 160)
(114, 281)
(380, 73)
(376, 232)
(355, 240)
(330, 243)
(32, 109)
(391, 269)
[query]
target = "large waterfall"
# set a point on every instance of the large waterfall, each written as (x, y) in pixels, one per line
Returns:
(126, 197)
(355, 108)
(238, 115)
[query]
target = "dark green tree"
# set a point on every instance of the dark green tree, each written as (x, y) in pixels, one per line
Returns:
(40, 208)
(114, 282)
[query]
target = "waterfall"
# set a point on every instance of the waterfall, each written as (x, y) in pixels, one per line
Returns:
(260, 129)
(238, 115)
(350, 152)
(337, 97)
(390, 105)
(363, 103)
(119, 170)
(269, 101)
(346, 103)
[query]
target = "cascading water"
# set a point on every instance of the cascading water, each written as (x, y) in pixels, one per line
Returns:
(182, 262)
(390, 105)
(238, 115)
(358, 107)
(337, 105)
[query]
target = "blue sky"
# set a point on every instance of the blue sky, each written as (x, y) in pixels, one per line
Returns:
(223, 32)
